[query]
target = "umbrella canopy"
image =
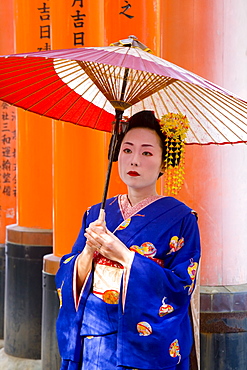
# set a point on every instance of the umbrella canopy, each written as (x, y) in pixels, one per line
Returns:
(86, 86)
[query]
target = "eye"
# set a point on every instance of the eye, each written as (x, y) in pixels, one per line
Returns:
(147, 154)
(127, 150)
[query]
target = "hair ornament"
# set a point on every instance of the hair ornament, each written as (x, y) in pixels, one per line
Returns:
(174, 126)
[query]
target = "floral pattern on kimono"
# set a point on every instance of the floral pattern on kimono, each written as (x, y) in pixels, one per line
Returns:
(148, 336)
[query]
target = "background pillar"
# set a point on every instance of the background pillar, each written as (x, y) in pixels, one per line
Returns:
(31, 238)
(122, 20)
(78, 162)
(7, 153)
(78, 152)
(209, 38)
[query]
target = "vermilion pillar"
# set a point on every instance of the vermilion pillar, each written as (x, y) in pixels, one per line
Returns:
(123, 19)
(7, 153)
(78, 151)
(31, 237)
(78, 162)
(7, 188)
(208, 38)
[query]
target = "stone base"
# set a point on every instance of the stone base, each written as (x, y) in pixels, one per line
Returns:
(25, 249)
(50, 356)
(223, 327)
(15, 363)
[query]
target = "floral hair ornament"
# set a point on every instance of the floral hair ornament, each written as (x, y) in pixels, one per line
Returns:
(174, 126)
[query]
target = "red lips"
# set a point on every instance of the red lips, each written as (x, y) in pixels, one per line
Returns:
(133, 173)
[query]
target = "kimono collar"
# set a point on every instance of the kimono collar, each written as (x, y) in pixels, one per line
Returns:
(128, 210)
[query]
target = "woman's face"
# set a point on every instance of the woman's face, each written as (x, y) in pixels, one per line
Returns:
(140, 159)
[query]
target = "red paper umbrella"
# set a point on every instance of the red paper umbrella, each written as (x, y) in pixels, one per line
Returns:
(92, 85)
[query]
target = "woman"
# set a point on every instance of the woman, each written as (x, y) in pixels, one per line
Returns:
(125, 289)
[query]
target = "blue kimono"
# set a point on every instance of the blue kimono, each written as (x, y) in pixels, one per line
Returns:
(149, 314)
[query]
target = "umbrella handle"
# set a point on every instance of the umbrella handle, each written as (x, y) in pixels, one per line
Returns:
(111, 156)
(101, 215)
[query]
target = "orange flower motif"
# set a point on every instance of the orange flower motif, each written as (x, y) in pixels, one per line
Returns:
(147, 249)
(124, 224)
(59, 293)
(175, 244)
(144, 328)
(165, 308)
(174, 350)
(192, 269)
(111, 296)
(68, 259)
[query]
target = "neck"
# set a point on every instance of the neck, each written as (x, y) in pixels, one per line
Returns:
(136, 196)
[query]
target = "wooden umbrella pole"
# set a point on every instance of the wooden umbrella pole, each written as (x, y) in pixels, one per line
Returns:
(113, 144)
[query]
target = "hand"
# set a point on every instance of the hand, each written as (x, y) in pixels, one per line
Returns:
(91, 242)
(100, 238)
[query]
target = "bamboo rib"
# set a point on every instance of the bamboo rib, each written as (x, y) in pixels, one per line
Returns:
(86, 109)
(179, 110)
(24, 80)
(224, 107)
(163, 102)
(150, 86)
(23, 66)
(227, 98)
(91, 72)
(213, 114)
(72, 105)
(226, 101)
(190, 129)
(61, 87)
(107, 84)
(42, 89)
(33, 93)
(204, 117)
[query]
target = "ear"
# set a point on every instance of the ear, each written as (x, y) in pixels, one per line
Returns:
(162, 167)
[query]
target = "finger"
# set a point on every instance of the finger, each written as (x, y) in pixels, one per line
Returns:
(96, 242)
(94, 245)
(100, 223)
(99, 230)
(97, 223)
(94, 233)
(90, 245)
(108, 232)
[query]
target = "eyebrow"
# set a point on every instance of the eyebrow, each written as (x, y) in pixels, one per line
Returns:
(145, 145)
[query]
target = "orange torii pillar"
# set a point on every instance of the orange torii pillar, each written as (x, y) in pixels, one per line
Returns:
(31, 238)
(7, 154)
(78, 162)
(7, 189)
(209, 38)
(140, 18)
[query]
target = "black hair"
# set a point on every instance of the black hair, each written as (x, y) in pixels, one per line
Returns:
(144, 119)
(147, 119)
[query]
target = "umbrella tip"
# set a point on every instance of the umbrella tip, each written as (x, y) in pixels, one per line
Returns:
(132, 42)
(133, 37)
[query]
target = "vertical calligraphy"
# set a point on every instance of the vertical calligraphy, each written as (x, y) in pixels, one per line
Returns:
(8, 164)
(7, 132)
(78, 16)
(44, 27)
(34, 175)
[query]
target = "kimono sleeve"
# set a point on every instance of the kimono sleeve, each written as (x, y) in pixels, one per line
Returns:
(154, 326)
(70, 317)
